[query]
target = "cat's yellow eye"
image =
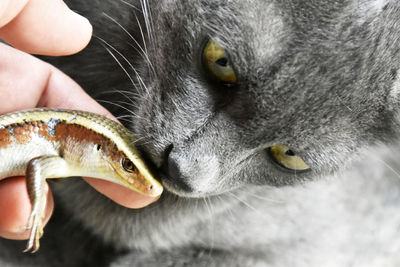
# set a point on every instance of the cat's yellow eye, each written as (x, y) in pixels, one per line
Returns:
(217, 63)
(286, 158)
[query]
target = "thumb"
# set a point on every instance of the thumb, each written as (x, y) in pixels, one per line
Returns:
(44, 27)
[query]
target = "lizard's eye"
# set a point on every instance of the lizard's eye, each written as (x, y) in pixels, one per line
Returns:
(286, 158)
(127, 165)
(217, 63)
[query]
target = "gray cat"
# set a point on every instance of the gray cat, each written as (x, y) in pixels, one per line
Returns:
(272, 124)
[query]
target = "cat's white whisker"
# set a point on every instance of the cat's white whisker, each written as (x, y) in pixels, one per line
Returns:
(235, 165)
(147, 19)
(212, 228)
(142, 52)
(345, 105)
(129, 4)
(126, 104)
(139, 140)
(120, 64)
(249, 193)
(122, 67)
(142, 34)
(387, 165)
(122, 107)
(229, 209)
(244, 202)
(128, 94)
(124, 117)
(141, 82)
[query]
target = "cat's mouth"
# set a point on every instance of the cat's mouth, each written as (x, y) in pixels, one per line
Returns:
(184, 178)
(169, 175)
(181, 189)
(173, 183)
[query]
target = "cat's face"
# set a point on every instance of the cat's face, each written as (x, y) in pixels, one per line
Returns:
(315, 76)
(319, 77)
(309, 76)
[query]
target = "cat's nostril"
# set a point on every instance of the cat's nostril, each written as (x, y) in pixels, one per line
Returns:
(173, 169)
(167, 151)
(155, 158)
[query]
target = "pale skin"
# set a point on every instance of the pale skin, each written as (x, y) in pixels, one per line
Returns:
(46, 28)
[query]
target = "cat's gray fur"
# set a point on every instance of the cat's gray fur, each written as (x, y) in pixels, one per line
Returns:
(317, 76)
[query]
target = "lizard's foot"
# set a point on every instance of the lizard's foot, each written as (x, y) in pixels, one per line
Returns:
(36, 226)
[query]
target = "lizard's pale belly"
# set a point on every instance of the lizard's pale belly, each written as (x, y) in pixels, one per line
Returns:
(15, 157)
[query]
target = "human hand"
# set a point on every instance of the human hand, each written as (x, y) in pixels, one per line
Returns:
(47, 28)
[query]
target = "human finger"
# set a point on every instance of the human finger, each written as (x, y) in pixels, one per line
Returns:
(44, 27)
(9, 9)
